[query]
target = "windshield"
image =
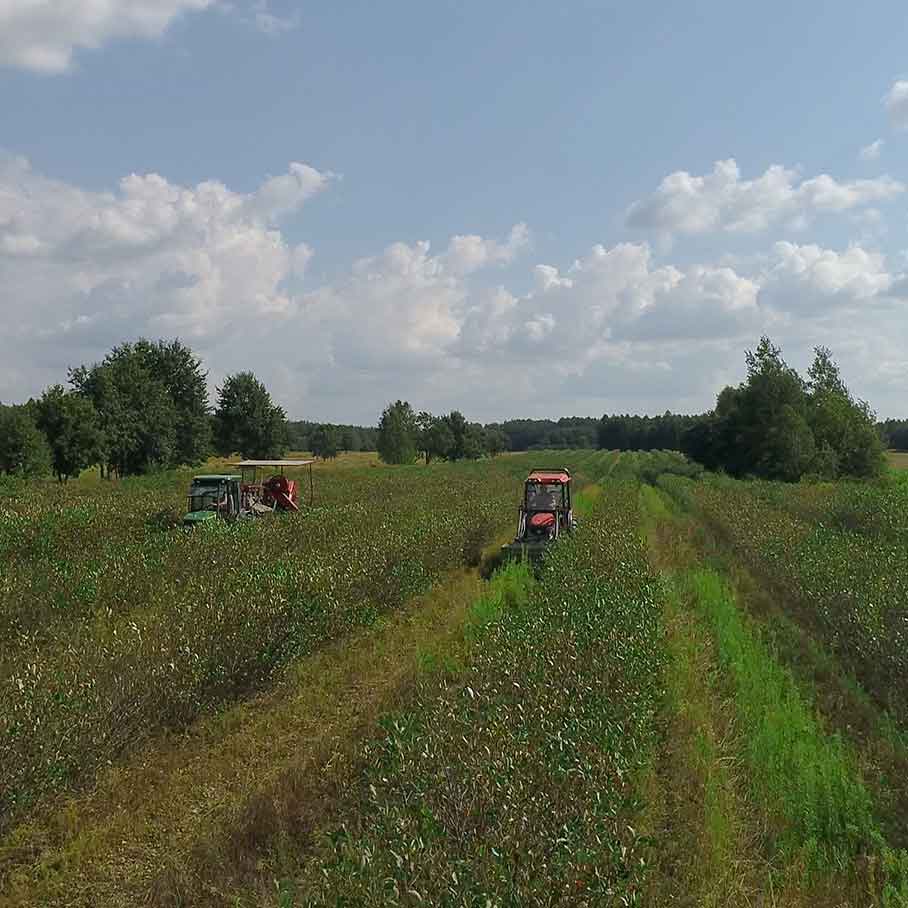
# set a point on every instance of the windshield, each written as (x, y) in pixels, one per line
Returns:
(205, 498)
(542, 496)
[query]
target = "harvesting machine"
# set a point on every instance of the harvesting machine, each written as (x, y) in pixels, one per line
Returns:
(229, 496)
(546, 513)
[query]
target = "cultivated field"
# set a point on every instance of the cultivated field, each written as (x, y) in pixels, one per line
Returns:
(699, 699)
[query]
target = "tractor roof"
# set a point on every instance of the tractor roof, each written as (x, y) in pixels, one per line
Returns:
(562, 476)
(272, 463)
(215, 477)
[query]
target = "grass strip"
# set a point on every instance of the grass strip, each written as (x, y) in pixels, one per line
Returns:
(805, 776)
(808, 782)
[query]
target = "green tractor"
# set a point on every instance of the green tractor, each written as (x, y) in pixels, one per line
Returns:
(545, 514)
(212, 496)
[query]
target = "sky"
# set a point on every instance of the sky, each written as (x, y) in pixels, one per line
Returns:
(515, 209)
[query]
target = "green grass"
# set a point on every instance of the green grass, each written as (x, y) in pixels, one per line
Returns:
(802, 774)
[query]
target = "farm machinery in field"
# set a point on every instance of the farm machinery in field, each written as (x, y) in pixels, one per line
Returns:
(546, 513)
(229, 496)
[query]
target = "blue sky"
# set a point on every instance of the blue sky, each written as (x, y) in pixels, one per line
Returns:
(528, 130)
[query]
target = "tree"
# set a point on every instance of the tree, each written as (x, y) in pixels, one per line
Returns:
(247, 421)
(496, 441)
(435, 438)
(778, 426)
(186, 384)
(457, 424)
(324, 442)
(23, 448)
(72, 427)
(844, 429)
(152, 403)
(397, 434)
(138, 417)
(474, 441)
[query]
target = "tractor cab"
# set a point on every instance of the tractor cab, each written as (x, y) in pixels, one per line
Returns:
(211, 496)
(545, 514)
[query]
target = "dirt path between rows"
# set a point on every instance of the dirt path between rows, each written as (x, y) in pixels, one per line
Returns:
(188, 811)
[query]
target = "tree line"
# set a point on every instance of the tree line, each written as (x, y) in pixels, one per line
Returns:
(330, 439)
(404, 435)
(894, 433)
(144, 407)
(778, 424)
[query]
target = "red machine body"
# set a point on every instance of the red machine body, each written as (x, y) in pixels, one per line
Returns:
(281, 492)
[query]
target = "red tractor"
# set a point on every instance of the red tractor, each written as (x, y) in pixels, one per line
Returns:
(545, 514)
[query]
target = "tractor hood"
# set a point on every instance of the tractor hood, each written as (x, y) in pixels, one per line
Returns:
(193, 518)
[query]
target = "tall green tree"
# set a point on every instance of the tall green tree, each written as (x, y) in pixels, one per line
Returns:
(247, 421)
(325, 441)
(844, 429)
(138, 416)
(23, 448)
(496, 441)
(397, 433)
(474, 441)
(771, 406)
(458, 426)
(435, 438)
(72, 427)
(186, 383)
(776, 425)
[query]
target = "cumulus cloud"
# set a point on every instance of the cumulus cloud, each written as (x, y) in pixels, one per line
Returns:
(872, 151)
(722, 201)
(896, 104)
(82, 269)
(466, 254)
(616, 328)
(810, 277)
(42, 36)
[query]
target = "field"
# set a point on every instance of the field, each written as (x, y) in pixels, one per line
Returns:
(698, 699)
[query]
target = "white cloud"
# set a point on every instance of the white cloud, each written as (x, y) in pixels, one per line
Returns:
(808, 277)
(896, 104)
(722, 201)
(610, 296)
(616, 329)
(285, 193)
(42, 35)
(83, 269)
(872, 151)
(270, 23)
(466, 254)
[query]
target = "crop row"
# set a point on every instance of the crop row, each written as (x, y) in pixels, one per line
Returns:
(517, 784)
(850, 584)
(877, 509)
(75, 553)
(178, 622)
